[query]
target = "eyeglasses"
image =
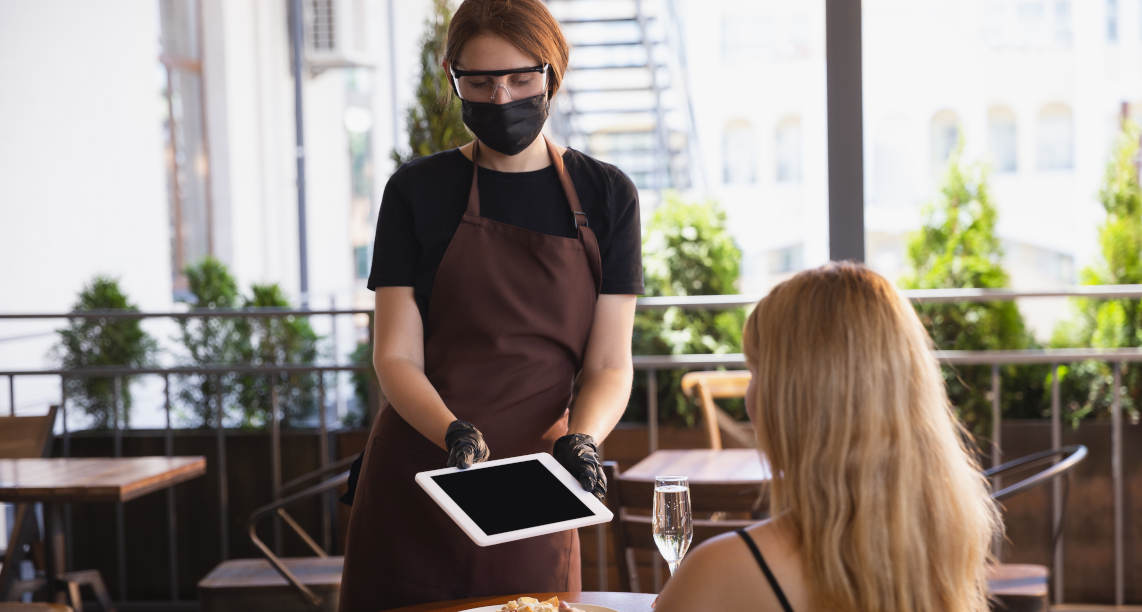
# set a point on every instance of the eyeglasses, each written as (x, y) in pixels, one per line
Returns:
(481, 85)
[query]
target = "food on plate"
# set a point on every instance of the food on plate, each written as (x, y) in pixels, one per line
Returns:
(531, 604)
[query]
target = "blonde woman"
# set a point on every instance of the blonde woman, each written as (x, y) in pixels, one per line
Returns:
(876, 502)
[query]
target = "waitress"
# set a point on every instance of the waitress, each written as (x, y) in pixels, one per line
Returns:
(505, 274)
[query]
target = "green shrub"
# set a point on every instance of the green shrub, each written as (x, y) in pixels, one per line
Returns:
(210, 341)
(687, 250)
(957, 248)
(277, 340)
(90, 342)
(362, 379)
(434, 122)
(1087, 388)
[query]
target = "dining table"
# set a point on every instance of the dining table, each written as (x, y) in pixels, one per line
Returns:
(54, 482)
(620, 602)
(703, 466)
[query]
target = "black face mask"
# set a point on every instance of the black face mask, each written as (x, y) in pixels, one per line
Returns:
(507, 128)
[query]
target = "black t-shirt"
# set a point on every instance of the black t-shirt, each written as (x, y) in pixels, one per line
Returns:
(425, 199)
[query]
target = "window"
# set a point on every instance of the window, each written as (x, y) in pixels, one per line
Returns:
(1026, 24)
(945, 135)
(787, 148)
(893, 163)
(1017, 83)
(1111, 21)
(739, 153)
(1055, 144)
(362, 261)
(787, 259)
(753, 31)
(1063, 33)
(184, 138)
(1002, 139)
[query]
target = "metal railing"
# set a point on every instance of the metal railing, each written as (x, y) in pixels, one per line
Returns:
(215, 372)
(649, 365)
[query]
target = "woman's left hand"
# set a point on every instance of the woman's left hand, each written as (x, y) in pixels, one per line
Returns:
(580, 456)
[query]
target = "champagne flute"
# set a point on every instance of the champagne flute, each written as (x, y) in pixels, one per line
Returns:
(673, 523)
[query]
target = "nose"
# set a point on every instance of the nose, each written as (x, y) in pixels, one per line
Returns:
(501, 94)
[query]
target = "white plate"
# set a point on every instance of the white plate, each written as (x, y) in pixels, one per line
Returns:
(582, 606)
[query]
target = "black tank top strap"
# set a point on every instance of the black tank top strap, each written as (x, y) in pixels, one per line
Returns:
(765, 570)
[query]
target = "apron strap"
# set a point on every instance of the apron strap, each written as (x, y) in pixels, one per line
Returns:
(577, 215)
(474, 190)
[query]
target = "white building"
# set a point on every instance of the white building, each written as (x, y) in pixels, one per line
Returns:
(95, 177)
(1035, 87)
(86, 155)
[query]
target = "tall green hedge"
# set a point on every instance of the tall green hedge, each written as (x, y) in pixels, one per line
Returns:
(1087, 388)
(687, 250)
(957, 247)
(91, 343)
(433, 121)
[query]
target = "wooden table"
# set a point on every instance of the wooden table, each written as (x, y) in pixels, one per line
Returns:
(623, 602)
(98, 479)
(727, 466)
(54, 482)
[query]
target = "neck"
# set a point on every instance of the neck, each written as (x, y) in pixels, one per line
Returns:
(534, 157)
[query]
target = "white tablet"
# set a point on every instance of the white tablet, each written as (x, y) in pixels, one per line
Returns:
(511, 499)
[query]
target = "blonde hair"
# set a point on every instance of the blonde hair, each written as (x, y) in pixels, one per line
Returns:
(871, 467)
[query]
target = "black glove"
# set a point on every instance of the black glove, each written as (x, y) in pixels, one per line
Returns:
(354, 473)
(579, 454)
(465, 445)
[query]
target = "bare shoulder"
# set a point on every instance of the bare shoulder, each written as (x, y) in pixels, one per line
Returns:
(723, 574)
(782, 555)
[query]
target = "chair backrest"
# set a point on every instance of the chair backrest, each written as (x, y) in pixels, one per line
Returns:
(631, 500)
(26, 437)
(1071, 455)
(293, 492)
(1060, 468)
(705, 387)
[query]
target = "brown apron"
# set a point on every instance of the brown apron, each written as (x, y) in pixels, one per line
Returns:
(506, 331)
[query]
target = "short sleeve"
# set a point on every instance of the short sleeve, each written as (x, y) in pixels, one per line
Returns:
(394, 246)
(622, 251)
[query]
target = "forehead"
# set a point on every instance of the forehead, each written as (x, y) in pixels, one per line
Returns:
(491, 52)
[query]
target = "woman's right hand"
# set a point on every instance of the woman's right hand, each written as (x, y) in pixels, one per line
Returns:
(465, 445)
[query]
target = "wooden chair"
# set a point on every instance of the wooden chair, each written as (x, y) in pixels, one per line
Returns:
(272, 582)
(631, 501)
(29, 437)
(1021, 587)
(704, 388)
(23, 437)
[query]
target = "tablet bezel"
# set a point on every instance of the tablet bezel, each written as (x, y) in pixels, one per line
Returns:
(599, 511)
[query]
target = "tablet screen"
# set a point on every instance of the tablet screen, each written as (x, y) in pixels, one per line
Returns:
(512, 496)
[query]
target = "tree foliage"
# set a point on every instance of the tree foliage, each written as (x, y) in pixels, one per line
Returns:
(1088, 387)
(433, 121)
(274, 340)
(957, 247)
(210, 341)
(363, 380)
(277, 340)
(91, 342)
(687, 250)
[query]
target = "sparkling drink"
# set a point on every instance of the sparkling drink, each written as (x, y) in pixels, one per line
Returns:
(673, 524)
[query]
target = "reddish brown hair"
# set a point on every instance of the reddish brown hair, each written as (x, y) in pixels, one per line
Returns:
(526, 24)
